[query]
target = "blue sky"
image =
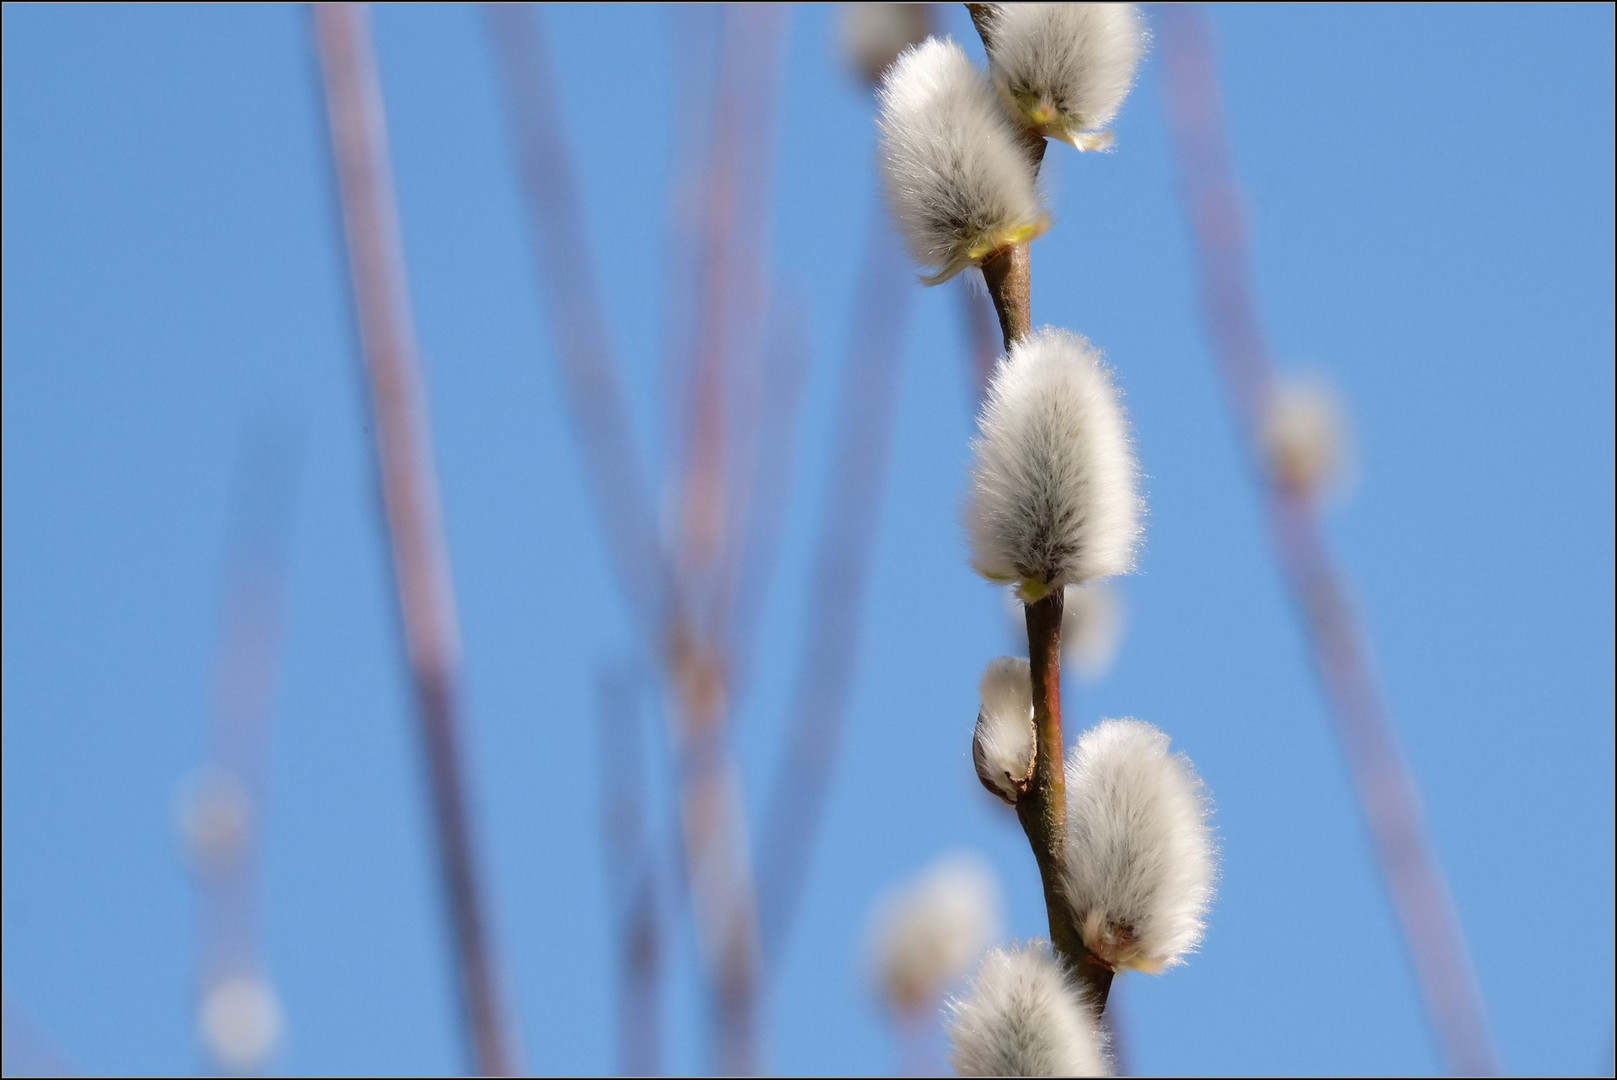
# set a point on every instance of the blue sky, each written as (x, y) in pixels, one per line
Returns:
(1430, 191)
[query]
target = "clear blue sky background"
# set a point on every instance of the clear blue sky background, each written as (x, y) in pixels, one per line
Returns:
(1431, 194)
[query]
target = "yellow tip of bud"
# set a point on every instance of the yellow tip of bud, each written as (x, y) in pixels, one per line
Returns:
(1032, 591)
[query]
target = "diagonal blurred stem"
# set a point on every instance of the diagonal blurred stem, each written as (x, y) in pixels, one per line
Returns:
(410, 493)
(561, 252)
(226, 837)
(824, 678)
(1387, 792)
(631, 866)
(711, 816)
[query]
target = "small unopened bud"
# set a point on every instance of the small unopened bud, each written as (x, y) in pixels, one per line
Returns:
(1004, 744)
(1064, 69)
(240, 1022)
(1053, 500)
(1024, 1016)
(961, 185)
(1139, 860)
(215, 816)
(873, 35)
(1305, 436)
(925, 937)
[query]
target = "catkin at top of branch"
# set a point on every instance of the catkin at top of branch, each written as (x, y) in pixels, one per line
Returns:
(961, 184)
(1064, 69)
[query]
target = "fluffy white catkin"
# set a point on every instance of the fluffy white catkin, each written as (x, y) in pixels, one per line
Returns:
(1003, 745)
(1024, 1016)
(1139, 861)
(961, 184)
(1064, 69)
(1054, 497)
(925, 937)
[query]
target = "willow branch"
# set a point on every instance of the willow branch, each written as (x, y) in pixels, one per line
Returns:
(1043, 809)
(410, 494)
(1387, 792)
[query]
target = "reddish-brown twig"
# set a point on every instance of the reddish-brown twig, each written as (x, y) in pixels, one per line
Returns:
(410, 493)
(1387, 792)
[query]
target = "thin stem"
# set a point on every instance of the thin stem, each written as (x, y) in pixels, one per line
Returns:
(410, 493)
(1009, 276)
(1043, 810)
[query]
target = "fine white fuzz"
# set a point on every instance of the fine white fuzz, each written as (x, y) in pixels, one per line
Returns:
(1054, 498)
(1003, 745)
(1024, 1016)
(874, 34)
(1064, 69)
(1305, 436)
(925, 936)
(1140, 860)
(961, 184)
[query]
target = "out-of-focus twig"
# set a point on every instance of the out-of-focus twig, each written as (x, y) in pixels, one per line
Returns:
(562, 258)
(632, 872)
(223, 808)
(25, 1050)
(826, 667)
(1386, 788)
(824, 679)
(682, 614)
(410, 494)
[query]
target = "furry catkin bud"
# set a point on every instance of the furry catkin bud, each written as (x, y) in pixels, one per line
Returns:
(1004, 743)
(1024, 1016)
(961, 184)
(1139, 861)
(1053, 492)
(1064, 69)
(1305, 436)
(925, 937)
(873, 35)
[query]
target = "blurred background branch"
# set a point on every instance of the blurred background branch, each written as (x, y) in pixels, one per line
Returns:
(410, 495)
(1388, 796)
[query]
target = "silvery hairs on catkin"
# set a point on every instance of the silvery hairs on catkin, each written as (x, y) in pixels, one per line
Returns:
(1140, 862)
(1024, 1016)
(960, 182)
(1065, 69)
(1054, 494)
